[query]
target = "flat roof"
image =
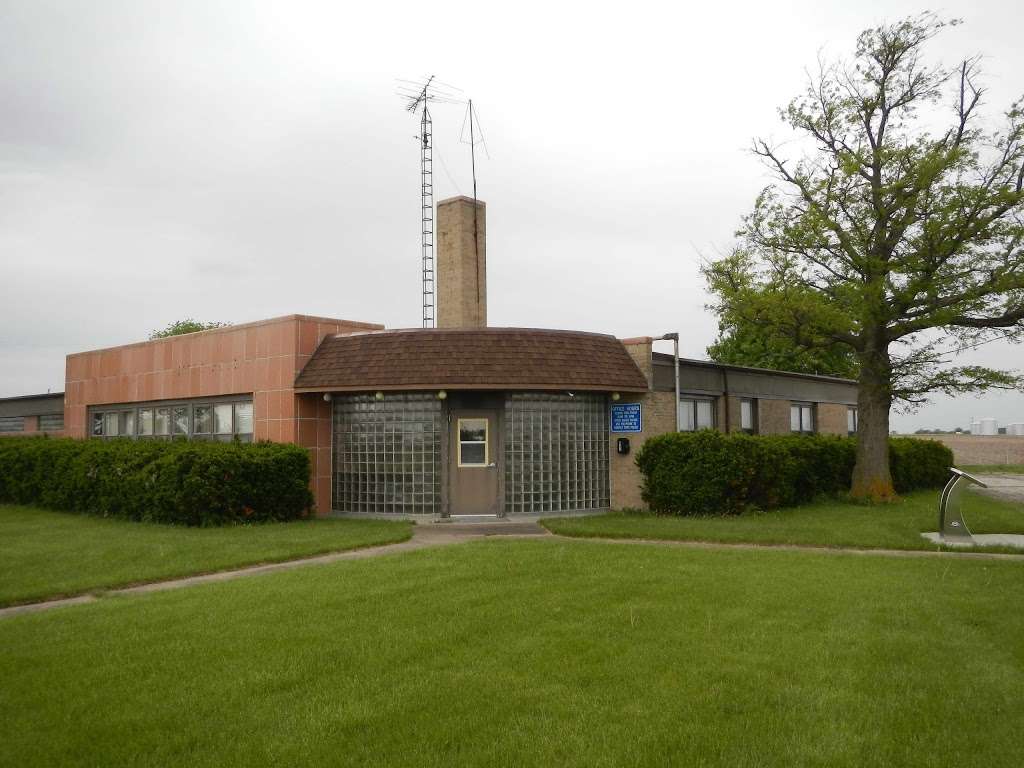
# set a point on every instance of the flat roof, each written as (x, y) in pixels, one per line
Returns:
(661, 357)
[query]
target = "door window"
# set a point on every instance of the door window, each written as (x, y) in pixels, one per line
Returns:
(472, 442)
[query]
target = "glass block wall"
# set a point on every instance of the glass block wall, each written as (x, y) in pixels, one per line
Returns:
(387, 454)
(556, 452)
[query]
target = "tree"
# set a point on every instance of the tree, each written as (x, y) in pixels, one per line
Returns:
(752, 337)
(188, 325)
(899, 231)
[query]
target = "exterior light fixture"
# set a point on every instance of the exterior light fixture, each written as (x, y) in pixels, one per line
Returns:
(441, 394)
(379, 396)
(327, 397)
(615, 396)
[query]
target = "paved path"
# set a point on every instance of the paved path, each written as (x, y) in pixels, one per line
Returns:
(1004, 487)
(425, 536)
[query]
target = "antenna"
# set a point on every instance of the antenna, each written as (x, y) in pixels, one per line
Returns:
(472, 118)
(417, 96)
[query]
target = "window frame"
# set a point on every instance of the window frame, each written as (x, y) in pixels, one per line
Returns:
(486, 442)
(800, 405)
(694, 401)
(752, 403)
(852, 410)
(132, 416)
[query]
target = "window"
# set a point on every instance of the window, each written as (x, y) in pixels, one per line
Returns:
(163, 421)
(472, 442)
(243, 418)
(387, 453)
(202, 420)
(556, 452)
(145, 422)
(748, 416)
(179, 420)
(222, 418)
(696, 413)
(801, 418)
(222, 421)
(12, 424)
(851, 420)
(51, 422)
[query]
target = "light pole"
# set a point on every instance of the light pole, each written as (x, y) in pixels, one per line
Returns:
(674, 338)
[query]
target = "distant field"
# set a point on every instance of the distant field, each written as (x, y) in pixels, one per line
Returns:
(988, 450)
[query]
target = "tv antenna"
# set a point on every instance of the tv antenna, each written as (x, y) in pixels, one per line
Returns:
(418, 95)
(473, 120)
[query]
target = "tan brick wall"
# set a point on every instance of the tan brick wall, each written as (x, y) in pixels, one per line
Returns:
(773, 417)
(640, 349)
(659, 417)
(831, 419)
(461, 268)
(982, 449)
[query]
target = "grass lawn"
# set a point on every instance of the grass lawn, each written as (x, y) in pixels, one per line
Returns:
(48, 554)
(998, 469)
(827, 524)
(534, 653)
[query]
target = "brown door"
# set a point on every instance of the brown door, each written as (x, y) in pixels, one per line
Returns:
(474, 462)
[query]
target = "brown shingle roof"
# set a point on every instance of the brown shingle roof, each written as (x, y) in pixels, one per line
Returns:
(488, 358)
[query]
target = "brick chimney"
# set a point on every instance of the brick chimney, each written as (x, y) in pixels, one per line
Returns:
(461, 263)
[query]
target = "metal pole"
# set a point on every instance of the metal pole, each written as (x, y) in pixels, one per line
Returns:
(674, 337)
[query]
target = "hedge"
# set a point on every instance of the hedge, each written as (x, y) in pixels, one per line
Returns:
(180, 482)
(709, 472)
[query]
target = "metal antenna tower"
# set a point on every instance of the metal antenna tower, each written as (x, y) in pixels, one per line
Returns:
(418, 96)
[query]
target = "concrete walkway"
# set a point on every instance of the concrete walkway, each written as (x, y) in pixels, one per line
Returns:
(423, 536)
(426, 536)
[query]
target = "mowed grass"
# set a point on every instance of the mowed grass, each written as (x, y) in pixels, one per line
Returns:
(534, 653)
(50, 554)
(997, 469)
(827, 524)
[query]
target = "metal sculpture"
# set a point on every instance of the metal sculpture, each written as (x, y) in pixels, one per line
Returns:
(952, 527)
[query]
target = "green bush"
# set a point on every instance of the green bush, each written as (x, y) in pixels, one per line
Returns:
(708, 472)
(188, 483)
(918, 463)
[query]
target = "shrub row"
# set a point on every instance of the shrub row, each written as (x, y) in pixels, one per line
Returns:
(187, 483)
(708, 472)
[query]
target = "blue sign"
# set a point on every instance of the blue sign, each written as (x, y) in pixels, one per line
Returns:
(627, 417)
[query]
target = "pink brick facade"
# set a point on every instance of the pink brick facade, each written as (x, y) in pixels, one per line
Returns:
(261, 359)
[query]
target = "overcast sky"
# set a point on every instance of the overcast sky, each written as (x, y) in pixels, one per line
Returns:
(240, 160)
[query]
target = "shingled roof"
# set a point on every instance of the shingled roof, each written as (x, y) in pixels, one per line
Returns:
(487, 358)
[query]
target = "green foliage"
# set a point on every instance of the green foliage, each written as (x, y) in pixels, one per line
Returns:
(919, 463)
(708, 472)
(751, 333)
(187, 483)
(188, 325)
(893, 230)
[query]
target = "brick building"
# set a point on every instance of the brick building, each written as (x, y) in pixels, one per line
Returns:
(463, 419)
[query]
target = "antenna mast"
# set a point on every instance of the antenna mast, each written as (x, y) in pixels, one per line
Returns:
(417, 96)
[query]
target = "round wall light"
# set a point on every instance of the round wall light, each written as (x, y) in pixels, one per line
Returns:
(327, 397)
(379, 396)
(441, 395)
(616, 395)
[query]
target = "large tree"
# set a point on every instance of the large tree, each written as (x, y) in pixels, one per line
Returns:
(894, 228)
